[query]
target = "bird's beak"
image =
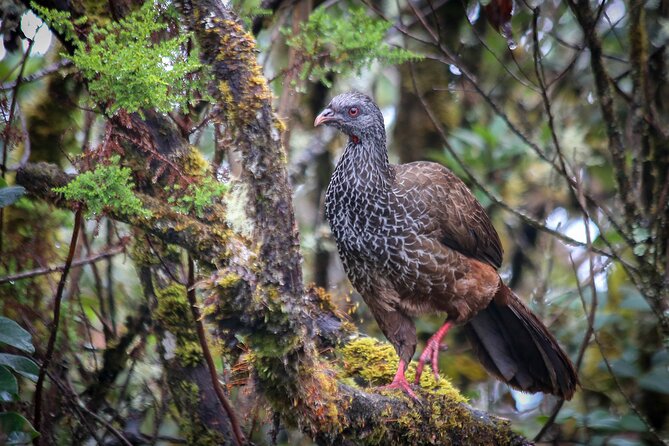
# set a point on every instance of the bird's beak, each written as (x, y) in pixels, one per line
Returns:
(326, 115)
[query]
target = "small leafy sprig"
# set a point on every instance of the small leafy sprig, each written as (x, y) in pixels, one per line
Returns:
(104, 189)
(196, 197)
(125, 66)
(330, 43)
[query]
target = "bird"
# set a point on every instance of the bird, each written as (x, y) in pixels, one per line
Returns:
(414, 240)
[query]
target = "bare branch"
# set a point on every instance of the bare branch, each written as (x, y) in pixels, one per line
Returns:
(46, 71)
(37, 419)
(111, 252)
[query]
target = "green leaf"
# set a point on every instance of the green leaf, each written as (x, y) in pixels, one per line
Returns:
(23, 366)
(621, 441)
(13, 334)
(9, 387)
(622, 368)
(657, 380)
(15, 429)
(602, 420)
(631, 422)
(635, 302)
(8, 195)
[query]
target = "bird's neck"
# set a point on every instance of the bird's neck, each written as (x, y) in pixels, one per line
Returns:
(365, 165)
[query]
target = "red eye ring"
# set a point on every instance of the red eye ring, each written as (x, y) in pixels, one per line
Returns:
(353, 111)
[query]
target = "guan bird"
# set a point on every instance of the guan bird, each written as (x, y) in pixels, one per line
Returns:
(413, 240)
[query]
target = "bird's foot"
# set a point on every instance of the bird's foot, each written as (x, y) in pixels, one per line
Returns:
(431, 353)
(400, 382)
(402, 385)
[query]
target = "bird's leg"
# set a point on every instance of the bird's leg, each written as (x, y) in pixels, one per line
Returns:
(431, 352)
(400, 381)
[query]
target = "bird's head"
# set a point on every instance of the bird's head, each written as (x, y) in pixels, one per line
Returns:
(355, 114)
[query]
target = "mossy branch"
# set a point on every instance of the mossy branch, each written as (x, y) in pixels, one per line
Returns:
(214, 245)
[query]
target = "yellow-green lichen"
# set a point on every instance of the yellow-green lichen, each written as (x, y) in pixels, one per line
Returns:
(193, 163)
(228, 281)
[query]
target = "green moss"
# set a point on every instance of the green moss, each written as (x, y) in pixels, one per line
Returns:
(369, 359)
(228, 281)
(374, 363)
(192, 429)
(189, 354)
(193, 163)
(174, 314)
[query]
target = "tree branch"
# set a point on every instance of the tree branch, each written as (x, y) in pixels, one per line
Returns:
(214, 246)
(111, 252)
(588, 22)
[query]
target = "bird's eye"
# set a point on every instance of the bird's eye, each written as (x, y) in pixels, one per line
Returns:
(353, 111)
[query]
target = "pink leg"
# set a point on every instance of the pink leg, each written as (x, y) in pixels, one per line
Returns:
(431, 352)
(400, 381)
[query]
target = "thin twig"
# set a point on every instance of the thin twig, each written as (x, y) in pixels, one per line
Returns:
(91, 259)
(7, 131)
(575, 187)
(164, 264)
(26, 141)
(527, 82)
(37, 419)
(111, 302)
(103, 315)
(234, 422)
(588, 22)
(590, 314)
(451, 58)
(79, 405)
(57, 66)
(619, 386)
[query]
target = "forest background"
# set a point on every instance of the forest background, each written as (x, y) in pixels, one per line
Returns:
(166, 275)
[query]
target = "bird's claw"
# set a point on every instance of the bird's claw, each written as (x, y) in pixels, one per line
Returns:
(402, 385)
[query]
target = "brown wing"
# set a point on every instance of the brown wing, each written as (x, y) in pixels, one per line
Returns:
(462, 223)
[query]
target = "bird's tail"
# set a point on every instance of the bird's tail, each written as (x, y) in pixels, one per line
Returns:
(516, 347)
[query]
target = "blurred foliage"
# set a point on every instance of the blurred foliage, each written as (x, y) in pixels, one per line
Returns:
(144, 61)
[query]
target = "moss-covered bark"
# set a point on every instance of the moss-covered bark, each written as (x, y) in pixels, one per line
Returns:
(202, 418)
